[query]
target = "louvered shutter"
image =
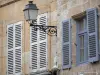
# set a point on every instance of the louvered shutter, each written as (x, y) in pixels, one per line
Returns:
(34, 49)
(42, 43)
(92, 35)
(66, 44)
(18, 48)
(10, 47)
(38, 46)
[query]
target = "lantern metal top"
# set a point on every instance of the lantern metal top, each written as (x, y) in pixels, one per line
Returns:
(31, 6)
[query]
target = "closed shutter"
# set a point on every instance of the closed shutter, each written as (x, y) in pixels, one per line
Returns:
(14, 41)
(34, 49)
(39, 46)
(66, 44)
(10, 47)
(18, 47)
(42, 43)
(92, 35)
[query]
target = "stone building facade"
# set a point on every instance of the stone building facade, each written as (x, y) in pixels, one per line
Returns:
(11, 12)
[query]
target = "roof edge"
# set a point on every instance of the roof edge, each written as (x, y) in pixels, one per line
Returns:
(8, 3)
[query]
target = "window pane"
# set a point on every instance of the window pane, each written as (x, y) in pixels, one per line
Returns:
(81, 48)
(81, 25)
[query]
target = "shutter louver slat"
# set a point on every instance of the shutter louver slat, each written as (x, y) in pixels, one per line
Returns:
(33, 34)
(66, 47)
(10, 37)
(92, 34)
(34, 56)
(42, 33)
(17, 35)
(43, 55)
(10, 62)
(18, 60)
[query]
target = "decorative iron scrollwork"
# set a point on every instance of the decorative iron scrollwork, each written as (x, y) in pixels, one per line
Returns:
(50, 30)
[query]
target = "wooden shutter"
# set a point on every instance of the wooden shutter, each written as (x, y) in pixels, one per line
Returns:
(14, 43)
(42, 43)
(10, 47)
(92, 24)
(66, 44)
(39, 46)
(18, 47)
(34, 49)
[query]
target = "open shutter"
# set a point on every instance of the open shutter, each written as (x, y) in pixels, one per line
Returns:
(66, 44)
(92, 24)
(18, 48)
(10, 48)
(34, 49)
(42, 43)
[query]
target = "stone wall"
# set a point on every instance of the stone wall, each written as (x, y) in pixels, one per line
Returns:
(58, 10)
(12, 13)
(65, 10)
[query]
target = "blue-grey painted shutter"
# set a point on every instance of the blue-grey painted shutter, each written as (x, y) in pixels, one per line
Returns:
(93, 42)
(66, 44)
(10, 48)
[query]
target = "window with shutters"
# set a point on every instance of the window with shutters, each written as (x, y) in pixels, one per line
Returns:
(14, 43)
(87, 37)
(39, 45)
(66, 44)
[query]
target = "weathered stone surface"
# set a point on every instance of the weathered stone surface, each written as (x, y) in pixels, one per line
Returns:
(58, 11)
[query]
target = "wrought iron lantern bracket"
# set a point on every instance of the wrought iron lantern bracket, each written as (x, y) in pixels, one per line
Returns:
(50, 30)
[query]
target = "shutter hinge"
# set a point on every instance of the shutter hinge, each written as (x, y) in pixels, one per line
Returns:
(98, 14)
(75, 44)
(71, 26)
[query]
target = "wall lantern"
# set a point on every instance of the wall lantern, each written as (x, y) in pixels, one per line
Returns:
(31, 13)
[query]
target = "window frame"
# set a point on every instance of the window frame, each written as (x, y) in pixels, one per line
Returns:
(78, 34)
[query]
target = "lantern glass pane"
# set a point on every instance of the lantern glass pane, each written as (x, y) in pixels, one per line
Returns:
(26, 14)
(33, 14)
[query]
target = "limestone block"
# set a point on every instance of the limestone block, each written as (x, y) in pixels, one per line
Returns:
(53, 5)
(75, 10)
(86, 5)
(93, 3)
(26, 57)
(1, 42)
(26, 69)
(4, 66)
(53, 16)
(1, 31)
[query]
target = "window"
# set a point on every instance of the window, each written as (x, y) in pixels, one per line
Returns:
(38, 46)
(87, 37)
(14, 48)
(82, 37)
